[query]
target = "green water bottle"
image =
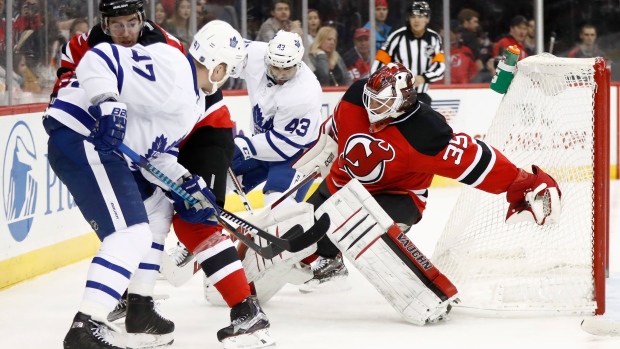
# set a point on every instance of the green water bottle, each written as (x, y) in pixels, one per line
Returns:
(505, 70)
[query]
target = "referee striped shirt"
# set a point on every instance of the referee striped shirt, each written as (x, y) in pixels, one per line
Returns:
(423, 56)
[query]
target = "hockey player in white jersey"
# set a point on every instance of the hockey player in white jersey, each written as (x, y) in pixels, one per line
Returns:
(286, 113)
(146, 98)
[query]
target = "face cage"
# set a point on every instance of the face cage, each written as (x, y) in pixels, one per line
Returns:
(390, 109)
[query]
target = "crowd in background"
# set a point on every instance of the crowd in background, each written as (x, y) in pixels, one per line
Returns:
(338, 47)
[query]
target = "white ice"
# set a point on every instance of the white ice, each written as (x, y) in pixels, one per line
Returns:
(37, 313)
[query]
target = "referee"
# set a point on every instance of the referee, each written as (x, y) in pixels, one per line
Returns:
(417, 48)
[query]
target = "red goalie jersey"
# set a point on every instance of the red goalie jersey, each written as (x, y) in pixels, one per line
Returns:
(405, 157)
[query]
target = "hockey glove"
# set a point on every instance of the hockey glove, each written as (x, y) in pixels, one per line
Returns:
(533, 197)
(109, 130)
(244, 151)
(322, 154)
(205, 211)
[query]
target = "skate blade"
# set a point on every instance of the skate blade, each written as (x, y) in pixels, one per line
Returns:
(145, 340)
(340, 284)
(254, 340)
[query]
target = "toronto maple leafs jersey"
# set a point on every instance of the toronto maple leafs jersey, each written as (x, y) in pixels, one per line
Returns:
(405, 156)
(285, 118)
(158, 85)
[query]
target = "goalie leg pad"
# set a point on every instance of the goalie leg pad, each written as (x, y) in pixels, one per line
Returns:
(389, 261)
(270, 275)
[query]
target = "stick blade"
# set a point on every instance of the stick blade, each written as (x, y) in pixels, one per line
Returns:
(313, 235)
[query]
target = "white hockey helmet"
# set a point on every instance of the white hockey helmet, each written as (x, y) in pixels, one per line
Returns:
(217, 42)
(388, 93)
(285, 50)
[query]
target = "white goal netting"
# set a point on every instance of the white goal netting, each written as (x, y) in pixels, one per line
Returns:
(547, 119)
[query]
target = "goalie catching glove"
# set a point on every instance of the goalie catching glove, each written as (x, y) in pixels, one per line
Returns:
(533, 197)
(322, 154)
(205, 211)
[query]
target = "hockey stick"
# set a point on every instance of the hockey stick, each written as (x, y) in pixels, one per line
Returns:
(307, 178)
(234, 224)
(239, 190)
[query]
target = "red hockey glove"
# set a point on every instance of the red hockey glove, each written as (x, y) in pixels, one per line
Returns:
(533, 197)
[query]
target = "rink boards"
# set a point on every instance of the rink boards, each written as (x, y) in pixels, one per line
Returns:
(41, 228)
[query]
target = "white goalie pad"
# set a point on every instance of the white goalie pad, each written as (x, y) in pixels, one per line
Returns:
(268, 276)
(374, 244)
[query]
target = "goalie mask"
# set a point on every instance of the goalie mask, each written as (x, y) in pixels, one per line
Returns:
(219, 43)
(120, 8)
(283, 57)
(388, 93)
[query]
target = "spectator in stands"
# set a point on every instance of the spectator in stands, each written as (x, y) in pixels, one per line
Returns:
(178, 24)
(314, 24)
(530, 38)
(469, 22)
(280, 20)
(516, 36)
(79, 26)
(23, 64)
(28, 20)
(486, 56)
(382, 30)
(588, 47)
(462, 62)
(325, 61)
(357, 59)
(160, 13)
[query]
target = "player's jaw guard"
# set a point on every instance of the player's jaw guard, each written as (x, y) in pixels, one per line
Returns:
(374, 244)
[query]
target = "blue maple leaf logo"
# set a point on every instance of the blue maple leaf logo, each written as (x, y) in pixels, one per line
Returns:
(159, 146)
(233, 42)
(259, 120)
(297, 43)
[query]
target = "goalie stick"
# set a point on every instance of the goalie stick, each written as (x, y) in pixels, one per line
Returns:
(237, 226)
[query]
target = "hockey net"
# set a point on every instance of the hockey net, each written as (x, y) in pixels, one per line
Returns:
(554, 115)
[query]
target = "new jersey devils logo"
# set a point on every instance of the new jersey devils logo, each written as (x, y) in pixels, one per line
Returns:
(364, 158)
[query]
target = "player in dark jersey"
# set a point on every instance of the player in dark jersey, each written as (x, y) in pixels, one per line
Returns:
(394, 146)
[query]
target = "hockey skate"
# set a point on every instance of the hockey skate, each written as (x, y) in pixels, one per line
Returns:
(86, 333)
(146, 328)
(120, 311)
(180, 255)
(249, 327)
(330, 275)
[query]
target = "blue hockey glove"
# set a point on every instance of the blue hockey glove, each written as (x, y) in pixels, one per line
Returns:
(109, 130)
(205, 211)
(244, 151)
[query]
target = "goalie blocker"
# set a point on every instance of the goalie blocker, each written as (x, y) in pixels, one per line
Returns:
(376, 246)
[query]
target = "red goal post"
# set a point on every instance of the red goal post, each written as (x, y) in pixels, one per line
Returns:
(554, 115)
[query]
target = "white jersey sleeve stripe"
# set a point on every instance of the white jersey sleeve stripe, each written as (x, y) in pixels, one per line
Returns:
(274, 147)
(120, 75)
(76, 112)
(288, 141)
